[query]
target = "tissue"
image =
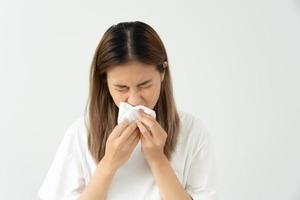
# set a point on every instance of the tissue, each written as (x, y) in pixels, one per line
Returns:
(131, 113)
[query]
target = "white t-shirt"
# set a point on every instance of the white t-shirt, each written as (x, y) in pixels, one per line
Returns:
(193, 162)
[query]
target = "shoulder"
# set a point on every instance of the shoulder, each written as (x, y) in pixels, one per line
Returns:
(76, 130)
(194, 132)
(74, 139)
(191, 122)
(77, 123)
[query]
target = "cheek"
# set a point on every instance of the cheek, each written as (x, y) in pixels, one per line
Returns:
(152, 95)
(117, 96)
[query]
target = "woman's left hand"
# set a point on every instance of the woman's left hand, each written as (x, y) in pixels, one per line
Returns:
(153, 138)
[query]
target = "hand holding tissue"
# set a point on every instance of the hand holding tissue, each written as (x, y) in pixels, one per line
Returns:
(131, 113)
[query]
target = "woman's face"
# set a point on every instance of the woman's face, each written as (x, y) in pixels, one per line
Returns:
(135, 83)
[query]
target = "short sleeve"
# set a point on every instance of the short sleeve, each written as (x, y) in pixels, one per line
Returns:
(201, 181)
(64, 179)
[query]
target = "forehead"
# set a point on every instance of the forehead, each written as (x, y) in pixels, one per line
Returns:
(131, 72)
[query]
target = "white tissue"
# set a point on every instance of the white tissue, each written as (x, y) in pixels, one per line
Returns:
(131, 113)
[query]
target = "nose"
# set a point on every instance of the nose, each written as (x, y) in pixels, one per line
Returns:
(135, 98)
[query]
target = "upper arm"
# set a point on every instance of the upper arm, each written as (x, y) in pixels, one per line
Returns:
(201, 180)
(64, 179)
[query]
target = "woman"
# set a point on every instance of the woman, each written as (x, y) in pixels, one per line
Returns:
(167, 157)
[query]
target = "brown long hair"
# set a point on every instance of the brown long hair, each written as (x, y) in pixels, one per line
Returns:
(121, 43)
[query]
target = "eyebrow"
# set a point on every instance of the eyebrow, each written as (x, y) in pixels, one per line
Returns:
(143, 83)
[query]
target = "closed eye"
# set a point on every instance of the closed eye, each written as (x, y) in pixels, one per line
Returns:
(122, 88)
(145, 86)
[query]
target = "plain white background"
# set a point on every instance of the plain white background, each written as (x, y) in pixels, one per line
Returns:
(235, 64)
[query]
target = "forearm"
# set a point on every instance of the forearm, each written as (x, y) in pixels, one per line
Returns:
(167, 181)
(99, 185)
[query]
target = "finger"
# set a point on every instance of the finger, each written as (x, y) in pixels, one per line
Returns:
(135, 140)
(133, 136)
(128, 131)
(142, 112)
(120, 128)
(147, 116)
(145, 133)
(151, 124)
(134, 143)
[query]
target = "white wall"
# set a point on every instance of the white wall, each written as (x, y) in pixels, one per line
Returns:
(235, 64)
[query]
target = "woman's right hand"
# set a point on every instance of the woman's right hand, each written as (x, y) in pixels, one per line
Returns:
(120, 144)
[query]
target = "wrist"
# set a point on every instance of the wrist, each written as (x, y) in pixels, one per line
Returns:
(159, 162)
(107, 168)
